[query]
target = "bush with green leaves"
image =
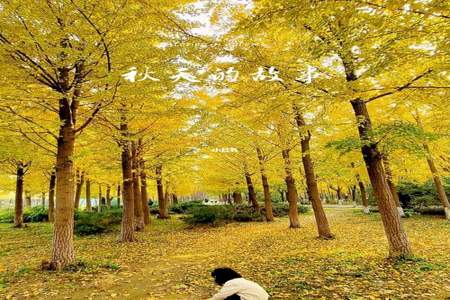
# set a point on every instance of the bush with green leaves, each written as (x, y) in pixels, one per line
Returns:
(30, 215)
(186, 207)
(154, 208)
(219, 214)
(424, 201)
(282, 209)
(35, 214)
(414, 195)
(213, 214)
(247, 215)
(89, 223)
(6, 216)
(179, 208)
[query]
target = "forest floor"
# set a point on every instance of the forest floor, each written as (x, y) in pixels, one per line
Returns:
(171, 261)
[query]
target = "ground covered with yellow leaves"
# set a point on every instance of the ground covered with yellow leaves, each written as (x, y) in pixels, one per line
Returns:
(171, 261)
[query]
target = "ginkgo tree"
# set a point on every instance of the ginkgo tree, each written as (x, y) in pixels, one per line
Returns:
(340, 34)
(133, 98)
(77, 50)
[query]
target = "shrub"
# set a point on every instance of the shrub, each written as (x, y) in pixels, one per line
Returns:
(89, 223)
(210, 214)
(154, 208)
(413, 194)
(89, 228)
(217, 214)
(424, 201)
(186, 207)
(30, 215)
(7, 216)
(282, 209)
(247, 215)
(35, 214)
(303, 209)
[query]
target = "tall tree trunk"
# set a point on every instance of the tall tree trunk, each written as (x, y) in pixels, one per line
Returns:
(138, 215)
(144, 196)
(353, 193)
(139, 224)
(138, 209)
(163, 207)
(330, 193)
(438, 183)
(312, 189)
(364, 198)
(18, 204)
(391, 184)
(362, 189)
(43, 199)
(88, 195)
(398, 241)
(230, 198)
(27, 199)
(225, 198)
(80, 182)
(108, 196)
(291, 191)
(266, 188)
(251, 192)
(63, 251)
(127, 226)
(51, 197)
(119, 194)
(174, 198)
(434, 172)
(237, 198)
(100, 198)
(167, 195)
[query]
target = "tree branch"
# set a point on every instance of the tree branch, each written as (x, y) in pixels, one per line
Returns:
(34, 142)
(400, 88)
(97, 109)
(8, 109)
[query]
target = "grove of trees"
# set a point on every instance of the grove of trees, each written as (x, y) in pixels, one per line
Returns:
(137, 99)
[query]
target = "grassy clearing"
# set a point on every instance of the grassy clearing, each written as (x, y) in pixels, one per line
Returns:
(173, 262)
